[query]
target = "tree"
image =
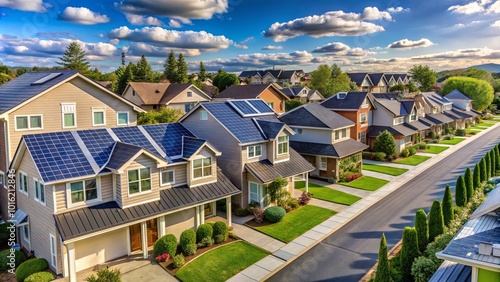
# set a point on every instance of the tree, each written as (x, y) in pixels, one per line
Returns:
(469, 183)
(74, 58)
(170, 68)
(275, 189)
(480, 74)
(424, 76)
(493, 158)
(385, 143)
(292, 104)
(321, 80)
(412, 88)
(202, 75)
(480, 91)
(143, 71)
(340, 81)
(460, 192)
(447, 206)
(436, 221)
(4, 78)
(487, 158)
(125, 75)
(483, 175)
(497, 157)
(409, 252)
(226, 80)
(182, 69)
(383, 273)
(166, 115)
(476, 181)
(422, 229)
(397, 88)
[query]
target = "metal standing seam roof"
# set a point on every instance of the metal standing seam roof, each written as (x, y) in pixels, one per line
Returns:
(452, 272)
(352, 101)
(84, 221)
(453, 115)
(439, 118)
(315, 115)
(337, 150)
(265, 171)
(457, 95)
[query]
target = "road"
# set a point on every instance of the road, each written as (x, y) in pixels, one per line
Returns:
(351, 251)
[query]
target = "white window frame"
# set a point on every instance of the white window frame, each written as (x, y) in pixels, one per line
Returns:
(254, 155)
(118, 119)
(140, 192)
(344, 133)
(85, 202)
(28, 122)
(189, 105)
(278, 143)
(202, 168)
(362, 133)
(23, 231)
(37, 190)
(64, 112)
(23, 182)
(203, 115)
(270, 104)
(323, 163)
(337, 134)
(189, 94)
(398, 120)
(53, 250)
(259, 193)
(361, 118)
(161, 177)
(99, 110)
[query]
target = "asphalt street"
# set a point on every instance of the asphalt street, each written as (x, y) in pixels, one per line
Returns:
(351, 251)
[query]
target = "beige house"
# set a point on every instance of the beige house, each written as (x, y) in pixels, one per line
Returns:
(156, 96)
(89, 196)
(52, 101)
(282, 77)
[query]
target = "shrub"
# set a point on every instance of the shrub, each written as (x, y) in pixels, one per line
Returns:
(447, 206)
(204, 235)
(304, 198)
(349, 176)
(460, 192)
(423, 146)
(258, 215)
(367, 155)
(188, 242)
(476, 178)
(385, 143)
(427, 141)
(395, 264)
(448, 137)
(276, 190)
(423, 268)
(469, 185)
(293, 203)
(383, 273)
(178, 261)
(40, 277)
(274, 214)
(165, 245)
(483, 175)
(404, 153)
(422, 229)
(162, 257)
(412, 150)
(409, 252)
(436, 222)
(435, 141)
(461, 132)
(380, 156)
(238, 211)
(220, 232)
(105, 275)
(30, 267)
(488, 165)
(5, 259)
(253, 205)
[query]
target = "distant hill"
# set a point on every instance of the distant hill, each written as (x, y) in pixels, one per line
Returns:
(493, 68)
(487, 67)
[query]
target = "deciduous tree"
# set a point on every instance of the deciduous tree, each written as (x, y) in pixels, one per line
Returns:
(292, 104)
(480, 91)
(166, 115)
(424, 76)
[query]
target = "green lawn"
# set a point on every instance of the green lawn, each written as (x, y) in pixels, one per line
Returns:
(486, 124)
(385, 169)
(412, 160)
(366, 183)
(455, 141)
(435, 149)
(221, 263)
(296, 223)
(474, 129)
(327, 194)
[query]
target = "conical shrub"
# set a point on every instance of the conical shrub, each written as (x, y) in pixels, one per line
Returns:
(383, 273)
(447, 206)
(422, 229)
(460, 192)
(469, 185)
(409, 252)
(483, 175)
(476, 178)
(436, 222)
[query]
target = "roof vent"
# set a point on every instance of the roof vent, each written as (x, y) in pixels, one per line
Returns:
(46, 78)
(341, 95)
(485, 249)
(157, 91)
(496, 250)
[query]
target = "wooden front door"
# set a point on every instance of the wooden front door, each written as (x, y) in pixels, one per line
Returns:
(135, 237)
(152, 228)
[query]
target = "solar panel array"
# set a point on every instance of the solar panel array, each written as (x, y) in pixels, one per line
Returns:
(134, 136)
(168, 137)
(58, 156)
(244, 107)
(190, 146)
(99, 143)
(261, 106)
(249, 108)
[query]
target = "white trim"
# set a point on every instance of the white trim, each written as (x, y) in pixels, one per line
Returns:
(63, 112)
(54, 203)
(254, 150)
(37, 189)
(202, 167)
(99, 110)
(168, 183)
(139, 182)
(28, 122)
(320, 166)
(260, 193)
(466, 261)
(23, 233)
(287, 145)
(25, 176)
(117, 118)
(53, 250)
(85, 202)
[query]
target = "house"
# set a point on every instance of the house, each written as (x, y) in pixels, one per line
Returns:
(85, 197)
(434, 107)
(391, 80)
(474, 252)
(355, 106)
(323, 138)
(157, 96)
(462, 106)
(271, 94)
(255, 145)
(49, 101)
(283, 77)
(303, 94)
(380, 83)
(362, 80)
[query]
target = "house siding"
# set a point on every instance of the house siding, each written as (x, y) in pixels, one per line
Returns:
(177, 222)
(180, 175)
(271, 95)
(140, 162)
(106, 190)
(355, 117)
(313, 135)
(212, 178)
(3, 167)
(132, 98)
(244, 154)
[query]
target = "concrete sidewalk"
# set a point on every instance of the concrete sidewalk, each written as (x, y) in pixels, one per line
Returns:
(390, 164)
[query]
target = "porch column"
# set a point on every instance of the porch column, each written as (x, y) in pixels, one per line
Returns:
(202, 214)
(144, 239)
(307, 182)
(196, 216)
(70, 252)
(474, 274)
(228, 211)
(161, 225)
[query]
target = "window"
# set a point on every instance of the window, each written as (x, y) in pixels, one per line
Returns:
(337, 134)
(188, 106)
(53, 248)
(398, 120)
(23, 183)
(167, 177)
(341, 95)
(122, 118)
(254, 151)
(39, 189)
(304, 91)
(365, 103)
(202, 168)
(255, 191)
(25, 230)
(344, 132)
(98, 116)
(323, 163)
(190, 94)
(139, 180)
(203, 115)
(28, 122)
(282, 145)
(407, 139)
(362, 136)
(271, 104)
(133, 92)
(297, 130)
(413, 115)
(68, 115)
(83, 191)
(362, 118)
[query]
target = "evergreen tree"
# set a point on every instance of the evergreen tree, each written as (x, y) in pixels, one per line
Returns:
(488, 165)
(469, 184)
(497, 157)
(126, 75)
(74, 58)
(476, 181)
(383, 273)
(422, 229)
(460, 192)
(202, 75)
(182, 70)
(436, 222)
(493, 157)
(171, 70)
(385, 143)
(447, 206)
(484, 174)
(409, 252)
(143, 71)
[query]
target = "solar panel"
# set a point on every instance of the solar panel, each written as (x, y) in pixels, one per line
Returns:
(46, 78)
(243, 107)
(261, 106)
(134, 136)
(168, 137)
(190, 146)
(99, 143)
(58, 156)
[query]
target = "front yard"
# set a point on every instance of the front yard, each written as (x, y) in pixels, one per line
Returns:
(327, 194)
(454, 141)
(294, 224)
(395, 171)
(221, 263)
(435, 149)
(366, 183)
(413, 160)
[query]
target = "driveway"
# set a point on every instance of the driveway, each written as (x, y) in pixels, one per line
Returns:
(150, 272)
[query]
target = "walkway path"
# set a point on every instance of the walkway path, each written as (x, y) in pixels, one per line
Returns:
(379, 175)
(388, 164)
(345, 189)
(258, 239)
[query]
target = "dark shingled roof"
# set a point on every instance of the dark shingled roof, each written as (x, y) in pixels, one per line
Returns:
(190, 145)
(358, 77)
(271, 129)
(337, 150)
(426, 121)
(417, 125)
(173, 90)
(395, 129)
(121, 154)
(463, 113)
(315, 115)
(438, 118)
(352, 101)
(22, 88)
(453, 115)
(243, 91)
(266, 172)
(88, 220)
(376, 77)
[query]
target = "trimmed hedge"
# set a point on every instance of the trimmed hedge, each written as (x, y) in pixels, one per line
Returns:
(274, 214)
(165, 245)
(188, 242)
(204, 235)
(178, 261)
(220, 232)
(5, 259)
(40, 277)
(30, 267)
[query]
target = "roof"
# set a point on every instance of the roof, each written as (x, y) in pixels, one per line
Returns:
(249, 73)
(122, 153)
(271, 129)
(337, 150)
(358, 77)
(435, 99)
(417, 125)
(251, 91)
(452, 272)
(88, 220)
(376, 77)
(397, 108)
(265, 171)
(150, 93)
(190, 145)
(438, 118)
(426, 121)
(399, 129)
(491, 203)
(352, 101)
(453, 115)
(173, 90)
(315, 115)
(464, 113)
(457, 95)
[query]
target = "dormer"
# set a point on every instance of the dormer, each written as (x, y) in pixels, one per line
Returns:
(202, 162)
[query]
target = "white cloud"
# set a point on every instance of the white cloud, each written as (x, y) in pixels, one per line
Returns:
(272, 47)
(496, 24)
(494, 8)
(393, 10)
(114, 41)
(187, 9)
(475, 7)
(410, 44)
(373, 14)
(459, 25)
(140, 48)
(340, 49)
(82, 15)
(25, 5)
(243, 44)
(143, 20)
(174, 23)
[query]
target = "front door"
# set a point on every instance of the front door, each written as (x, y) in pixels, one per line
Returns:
(152, 228)
(135, 237)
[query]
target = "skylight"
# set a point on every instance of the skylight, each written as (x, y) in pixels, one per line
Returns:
(341, 95)
(46, 78)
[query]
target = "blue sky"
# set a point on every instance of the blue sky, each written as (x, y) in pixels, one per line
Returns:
(239, 35)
